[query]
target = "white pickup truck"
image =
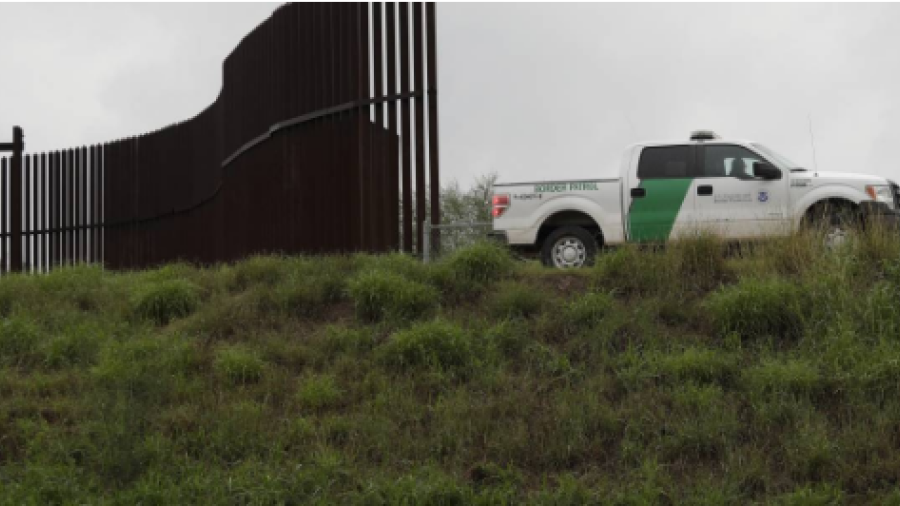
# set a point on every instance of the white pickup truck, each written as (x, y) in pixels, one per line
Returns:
(737, 189)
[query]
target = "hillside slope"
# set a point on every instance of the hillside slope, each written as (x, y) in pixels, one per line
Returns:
(699, 374)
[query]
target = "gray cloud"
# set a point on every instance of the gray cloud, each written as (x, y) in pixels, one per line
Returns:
(530, 91)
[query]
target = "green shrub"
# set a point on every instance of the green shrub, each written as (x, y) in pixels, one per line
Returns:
(546, 361)
(318, 392)
(454, 288)
(383, 295)
(436, 344)
(340, 339)
(483, 262)
(13, 289)
(511, 299)
(759, 308)
(19, 342)
(698, 364)
(628, 270)
(86, 287)
(402, 264)
(812, 453)
(808, 495)
(239, 315)
(701, 262)
(234, 432)
(149, 369)
(703, 423)
(880, 374)
(586, 311)
(795, 376)
(507, 339)
(238, 365)
(165, 301)
(267, 270)
(793, 255)
(77, 346)
(880, 312)
(307, 295)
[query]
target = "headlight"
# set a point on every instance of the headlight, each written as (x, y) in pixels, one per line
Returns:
(881, 193)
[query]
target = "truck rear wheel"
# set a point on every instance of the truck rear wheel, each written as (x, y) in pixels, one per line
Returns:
(569, 247)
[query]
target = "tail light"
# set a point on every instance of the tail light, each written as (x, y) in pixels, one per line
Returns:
(500, 204)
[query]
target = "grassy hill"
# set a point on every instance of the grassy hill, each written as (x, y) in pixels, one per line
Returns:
(699, 374)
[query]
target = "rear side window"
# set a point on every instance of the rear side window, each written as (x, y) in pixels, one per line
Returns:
(664, 162)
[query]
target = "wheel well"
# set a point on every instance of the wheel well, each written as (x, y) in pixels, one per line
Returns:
(834, 202)
(563, 218)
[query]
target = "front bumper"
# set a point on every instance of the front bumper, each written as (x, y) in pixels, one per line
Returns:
(880, 214)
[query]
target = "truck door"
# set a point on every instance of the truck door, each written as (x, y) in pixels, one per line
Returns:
(658, 202)
(731, 201)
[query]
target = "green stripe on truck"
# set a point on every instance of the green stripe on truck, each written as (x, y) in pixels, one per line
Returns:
(651, 218)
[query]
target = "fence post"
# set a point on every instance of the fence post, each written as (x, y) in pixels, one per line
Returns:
(426, 245)
(15, 200)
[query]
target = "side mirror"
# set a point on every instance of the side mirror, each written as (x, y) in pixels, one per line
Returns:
(763, 170)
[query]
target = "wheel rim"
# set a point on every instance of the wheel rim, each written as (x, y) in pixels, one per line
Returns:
(569, 252)
(835, 237)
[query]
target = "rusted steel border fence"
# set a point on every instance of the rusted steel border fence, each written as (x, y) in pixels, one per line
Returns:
(296, 155)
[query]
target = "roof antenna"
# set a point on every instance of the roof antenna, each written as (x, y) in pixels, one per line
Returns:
(630, 124)
(812, 141)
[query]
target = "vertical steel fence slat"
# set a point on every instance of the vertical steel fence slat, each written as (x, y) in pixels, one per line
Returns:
(83, 203)
(418, 76)
(432, 93)
(15, 214)
(4, 216)
(26, 212)
(45, 212)
(406, 127)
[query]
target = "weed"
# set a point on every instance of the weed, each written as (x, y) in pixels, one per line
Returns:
(238, 365)
(482, 262)
(266, 270)
(317, 392)
(515, 300)
(20, 339)
(384, 295)
(701, 262)
(436, 344)
(759, 308)
(78, 346)
(699, 365)
(792, 376)
(586, 311)
(339, 339)
(629, 271)
(167, 300)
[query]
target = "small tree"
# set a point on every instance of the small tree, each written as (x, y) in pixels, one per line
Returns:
(458, 205)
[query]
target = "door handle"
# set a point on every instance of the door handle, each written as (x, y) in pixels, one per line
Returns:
(705, 189)
(637, 193)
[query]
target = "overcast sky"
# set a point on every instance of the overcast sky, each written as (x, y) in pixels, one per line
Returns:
(530, 91)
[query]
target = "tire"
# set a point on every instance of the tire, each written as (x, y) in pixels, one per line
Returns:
(569, 247)
(837, 222)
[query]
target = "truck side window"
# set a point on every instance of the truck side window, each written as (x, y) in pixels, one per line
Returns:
(729, 161)
(664, 162)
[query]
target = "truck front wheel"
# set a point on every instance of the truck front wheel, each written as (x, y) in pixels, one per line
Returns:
(835, 220)
(568, 247)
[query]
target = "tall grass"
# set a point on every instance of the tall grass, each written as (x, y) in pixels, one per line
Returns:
(701, 372)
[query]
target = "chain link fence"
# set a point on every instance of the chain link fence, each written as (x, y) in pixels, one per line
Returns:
(451, 237)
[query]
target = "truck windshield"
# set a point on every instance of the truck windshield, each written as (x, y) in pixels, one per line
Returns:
(778, 159)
